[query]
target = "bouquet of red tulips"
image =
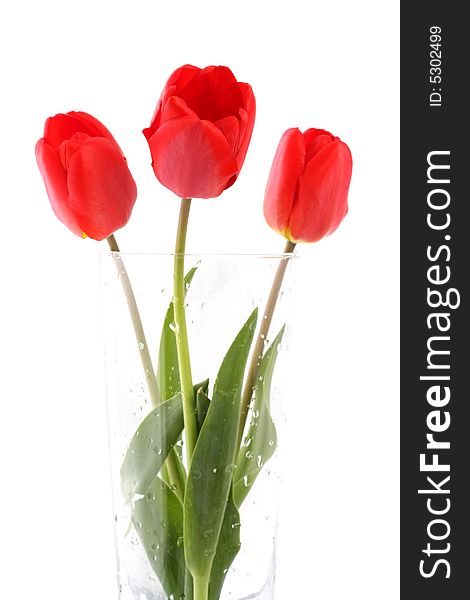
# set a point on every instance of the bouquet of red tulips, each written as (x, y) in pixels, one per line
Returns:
(187, 505)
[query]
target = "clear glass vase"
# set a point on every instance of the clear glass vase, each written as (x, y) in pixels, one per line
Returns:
(160, 526)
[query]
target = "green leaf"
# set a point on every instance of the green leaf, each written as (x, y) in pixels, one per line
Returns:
(165, 475)
(149, 447)
(227, 548)
(168, 375)
(213, 462)
(188, 586)
(202, 403)
(261, 440)
(158, 520)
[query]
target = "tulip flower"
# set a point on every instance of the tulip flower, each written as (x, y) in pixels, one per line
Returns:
(89, 185)
(307, 191)
(200, 131)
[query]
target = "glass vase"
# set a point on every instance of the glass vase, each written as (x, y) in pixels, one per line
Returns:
(207, 532)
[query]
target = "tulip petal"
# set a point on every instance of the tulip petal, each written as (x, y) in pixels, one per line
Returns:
(97, 128)
(178, 80)
(247, 121)
(155, 123)
(182, 76)
(192, 158)
(315, 140)
(230, 127)
(68, 147)
(312, 133)
(63, 127)
(213, 94)
(281, 188)
(322, 194)
(244, 137)
(227, 93)
(175, 108)
(55, 179)
(102, 191)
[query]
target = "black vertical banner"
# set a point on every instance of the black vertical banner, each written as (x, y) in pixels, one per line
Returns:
(435, 329)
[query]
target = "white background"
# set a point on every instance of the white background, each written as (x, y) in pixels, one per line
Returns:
(312, 64)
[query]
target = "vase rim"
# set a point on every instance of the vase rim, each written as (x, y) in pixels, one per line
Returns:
(272, 255)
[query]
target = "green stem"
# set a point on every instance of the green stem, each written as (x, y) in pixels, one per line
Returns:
(262, 336)
(188, 585)
(189, 412)
(174, 475)
(136, 322)
(144, 352)
(201, 588)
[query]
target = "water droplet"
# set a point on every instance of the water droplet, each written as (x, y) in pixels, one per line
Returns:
(209, 552)
(196, 475)
(249, 454)
(271, 443)
(260, 461)
(172, 326)
(141, 345)
(230, 468)
(155, 546)
(207, 534)
(246, 483)
(214, 470)
(151, 497)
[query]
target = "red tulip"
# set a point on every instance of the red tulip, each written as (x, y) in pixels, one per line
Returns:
(200, 131)
(307, 191)
(85, 172)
